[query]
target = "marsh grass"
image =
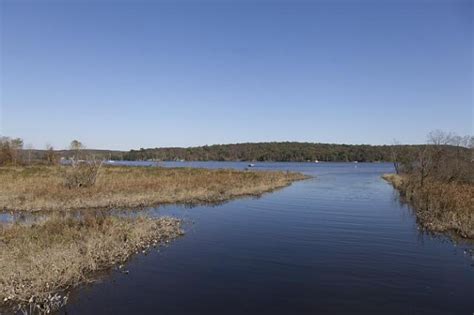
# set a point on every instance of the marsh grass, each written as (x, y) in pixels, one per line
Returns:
(39, 262)
(42, 188)
(439, 206)
(43, 260)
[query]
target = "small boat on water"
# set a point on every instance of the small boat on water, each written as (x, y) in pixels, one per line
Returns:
(251, 165)
(316, 161)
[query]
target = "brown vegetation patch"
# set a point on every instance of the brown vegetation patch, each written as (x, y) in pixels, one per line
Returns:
(439, 206)
(40, 260)
(42, 187)
(394, 179)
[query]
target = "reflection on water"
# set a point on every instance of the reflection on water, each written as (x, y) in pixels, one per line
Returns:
(340, 242)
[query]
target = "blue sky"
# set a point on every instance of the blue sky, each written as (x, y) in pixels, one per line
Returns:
(130, 74)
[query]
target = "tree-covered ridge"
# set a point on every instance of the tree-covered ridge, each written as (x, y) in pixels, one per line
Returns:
(271, 151)
(12, 152)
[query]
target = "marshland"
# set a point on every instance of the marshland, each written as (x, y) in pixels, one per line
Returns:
(236, 157)
(437, 180)
(76, 232)
(34, 188)
(66, 222)
(42, 260)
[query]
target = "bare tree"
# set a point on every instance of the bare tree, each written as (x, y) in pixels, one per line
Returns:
(51, 157)
(10, 150)
(29, 149)
(5, 153)
(84, 170)
(395, 155)
(439, 138)
(449, 157)
(76, 146)
(425, 162)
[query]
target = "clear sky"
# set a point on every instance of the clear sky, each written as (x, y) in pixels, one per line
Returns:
(131, 74)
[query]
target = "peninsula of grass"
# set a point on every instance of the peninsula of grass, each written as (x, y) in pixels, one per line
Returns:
(37, 188)
(439, 206)
(40, 263)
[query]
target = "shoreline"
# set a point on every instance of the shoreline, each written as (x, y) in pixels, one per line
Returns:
(42, 262)
(439, 207)
(39, 188)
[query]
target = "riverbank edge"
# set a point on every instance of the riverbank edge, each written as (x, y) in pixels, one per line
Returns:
(130, 198)
(439, 207)
(25, 288)
(42, 262)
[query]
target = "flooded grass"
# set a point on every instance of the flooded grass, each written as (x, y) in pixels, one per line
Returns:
(42, 261)
(42, 188)
(439, 207)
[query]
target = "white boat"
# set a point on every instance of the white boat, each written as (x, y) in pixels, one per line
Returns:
(251, 165)
(316, 161)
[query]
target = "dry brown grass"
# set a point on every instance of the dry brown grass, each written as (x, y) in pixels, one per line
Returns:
(439, 206)
(394, 179)
(42, 187)
(38, 261)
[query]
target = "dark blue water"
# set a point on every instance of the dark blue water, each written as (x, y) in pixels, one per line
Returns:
(339, 243)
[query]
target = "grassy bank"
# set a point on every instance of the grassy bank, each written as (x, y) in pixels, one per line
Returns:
(439, 206)
(42, 187)
(38, 262)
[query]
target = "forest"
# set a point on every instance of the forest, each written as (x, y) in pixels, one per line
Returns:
(12, 151)
(271, 151)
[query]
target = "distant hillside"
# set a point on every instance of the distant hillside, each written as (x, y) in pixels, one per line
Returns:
(269, 151)
(265, 151)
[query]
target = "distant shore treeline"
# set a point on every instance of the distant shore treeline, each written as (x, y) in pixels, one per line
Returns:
(270, 151)
(265, 151)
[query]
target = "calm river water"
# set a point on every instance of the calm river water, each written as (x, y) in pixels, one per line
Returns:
(337, 243)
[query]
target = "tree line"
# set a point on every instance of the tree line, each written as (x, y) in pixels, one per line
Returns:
(272, 151)
(447, 158)
(13, 152)
(451, 147)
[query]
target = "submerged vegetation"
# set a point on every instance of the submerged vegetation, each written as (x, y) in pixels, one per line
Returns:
(41, 262)
(44, 187)
(438, 181)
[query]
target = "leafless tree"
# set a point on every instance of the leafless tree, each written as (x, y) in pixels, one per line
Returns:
(395, 155)
(425, 162)
(76, 146)
(51, 157)
(16, 146)
(446, 157)
(10, 150)
(29, 149)
(84, 170)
